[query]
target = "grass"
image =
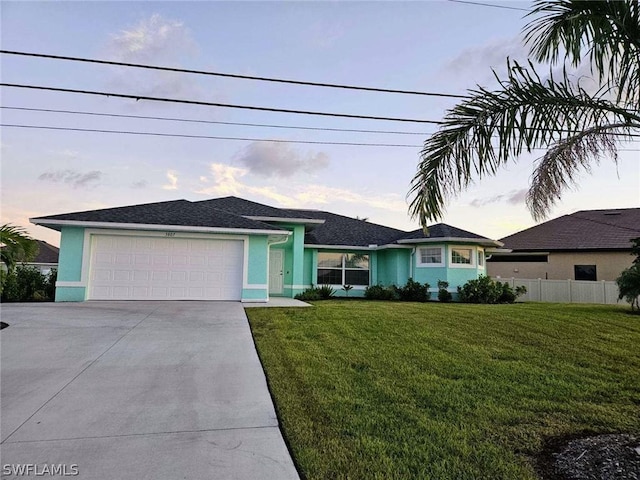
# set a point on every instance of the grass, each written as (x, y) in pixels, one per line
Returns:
(379, 390)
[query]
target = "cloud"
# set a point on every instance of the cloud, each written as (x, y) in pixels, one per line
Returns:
(140, 184)
(72, 177)
(475, 64)
(172, 176)
(157, 41)
(227, 180)
(272, 159)
(514, 197)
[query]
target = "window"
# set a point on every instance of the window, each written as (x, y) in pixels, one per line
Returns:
(430, 256)
(343, 269)
(481, 258)
(585, 272)
(461, 256)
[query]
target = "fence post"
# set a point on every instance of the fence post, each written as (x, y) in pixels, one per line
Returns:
(570, 292)
(539, 289)
(604, 292)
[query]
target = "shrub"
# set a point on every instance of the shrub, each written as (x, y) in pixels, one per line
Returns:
(444, 295)
(485, 290)
(308, 294)
(629, 286)
(378, 292)
(414, 292)
(324, 292)
(27, 284)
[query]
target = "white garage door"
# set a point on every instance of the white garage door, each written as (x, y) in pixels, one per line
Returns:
(159, 268)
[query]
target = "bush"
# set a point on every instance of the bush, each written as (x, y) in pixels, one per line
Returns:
(414, 292)
(486, 290)
(378, 292)
(27, 284)
(324, 292)
(444, 295)
(629, 286)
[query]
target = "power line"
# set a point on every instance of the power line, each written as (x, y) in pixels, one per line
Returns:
(212, 104)
(216, 122)
(188, 120)
(245, 139)
(209, 137)
(231, 75)
(481, 4)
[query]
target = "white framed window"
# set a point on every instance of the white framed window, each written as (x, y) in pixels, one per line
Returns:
(343, 269)
(431, 256)
(461, 257)
(481, 258)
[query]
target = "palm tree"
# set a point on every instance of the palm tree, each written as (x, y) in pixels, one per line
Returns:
(491, 128)
(16, 246)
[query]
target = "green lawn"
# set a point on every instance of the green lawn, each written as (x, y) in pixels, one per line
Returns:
(445, 391)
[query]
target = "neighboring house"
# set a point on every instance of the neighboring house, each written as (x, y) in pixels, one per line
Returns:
(234, 249)
(47, 258)
(586, 245)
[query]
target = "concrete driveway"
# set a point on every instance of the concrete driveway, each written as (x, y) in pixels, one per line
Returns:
(137, 390)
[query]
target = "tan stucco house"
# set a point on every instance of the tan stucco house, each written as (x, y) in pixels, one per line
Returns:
(586, 245)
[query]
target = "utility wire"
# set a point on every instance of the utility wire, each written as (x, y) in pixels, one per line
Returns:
(245, 139)
(232, 75)
(481, 4)
(190, 120)
(212, 104)
(209, 137)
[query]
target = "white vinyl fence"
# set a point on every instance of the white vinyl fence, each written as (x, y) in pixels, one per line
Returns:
(565, 291)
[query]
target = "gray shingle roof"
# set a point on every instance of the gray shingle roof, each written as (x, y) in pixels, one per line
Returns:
(46, 253)
(441, 230)
(231, 212)
(177, 212)
(584, 230)
(341, 230)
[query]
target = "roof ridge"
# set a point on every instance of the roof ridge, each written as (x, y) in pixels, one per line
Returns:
(575, 215)
(343, 216)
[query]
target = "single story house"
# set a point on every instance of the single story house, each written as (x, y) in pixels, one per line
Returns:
(46, 259)
(235, 249)
(586, 245)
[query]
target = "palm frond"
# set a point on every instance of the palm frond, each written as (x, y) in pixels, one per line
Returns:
(558, 168)
(489, 129)
(16, 245)
(607, 32)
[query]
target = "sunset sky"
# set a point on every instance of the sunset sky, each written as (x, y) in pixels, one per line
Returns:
(434, 46)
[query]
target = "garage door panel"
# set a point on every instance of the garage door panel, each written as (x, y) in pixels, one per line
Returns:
(140, 268)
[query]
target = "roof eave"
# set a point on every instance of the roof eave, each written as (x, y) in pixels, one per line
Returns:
(285, 219)
(479, 241)
(50, 223)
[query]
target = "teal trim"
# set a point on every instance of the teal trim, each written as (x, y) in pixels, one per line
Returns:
(297, 277)
(314, 267)
(258, 270)
(255, 294)
(70, 294)
(71, 250)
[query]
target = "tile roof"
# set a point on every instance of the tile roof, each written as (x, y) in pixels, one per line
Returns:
(584, 230)
(174, 213)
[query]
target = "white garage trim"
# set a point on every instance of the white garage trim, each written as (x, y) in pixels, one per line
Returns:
(115, 271)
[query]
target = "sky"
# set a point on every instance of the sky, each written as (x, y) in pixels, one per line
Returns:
(434, 46)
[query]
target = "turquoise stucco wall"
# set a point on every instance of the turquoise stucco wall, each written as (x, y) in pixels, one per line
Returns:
(456, 276)
(393, 266)
(257, 269)
(70, 265)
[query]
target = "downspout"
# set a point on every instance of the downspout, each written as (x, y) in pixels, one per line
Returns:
(412, 263)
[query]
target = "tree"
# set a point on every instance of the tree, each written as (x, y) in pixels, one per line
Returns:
(629, 280)
(15, 246)
(491, 128)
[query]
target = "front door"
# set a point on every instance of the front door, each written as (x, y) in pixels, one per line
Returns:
(276, 277)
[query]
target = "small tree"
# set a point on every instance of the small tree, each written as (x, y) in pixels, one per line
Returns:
(629, 280)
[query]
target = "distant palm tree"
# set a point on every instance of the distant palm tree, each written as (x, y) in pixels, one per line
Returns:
(491, 128)
(16, 246)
